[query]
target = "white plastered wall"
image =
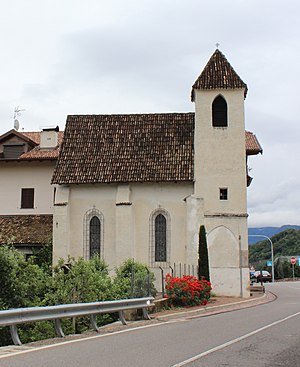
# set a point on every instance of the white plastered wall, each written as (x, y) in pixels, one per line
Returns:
(17, 175)
(126, 211)
(220, 162)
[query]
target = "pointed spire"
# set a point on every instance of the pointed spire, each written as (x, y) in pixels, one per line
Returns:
(218, 74)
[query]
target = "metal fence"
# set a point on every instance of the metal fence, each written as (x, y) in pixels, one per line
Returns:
(177, 270)
(17, 316)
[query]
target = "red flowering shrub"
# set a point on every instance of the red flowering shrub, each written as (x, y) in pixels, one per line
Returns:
(187, 291)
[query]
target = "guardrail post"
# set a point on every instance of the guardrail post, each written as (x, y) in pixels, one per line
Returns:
(14, 335)
(94, 323)
(58, 328)
(145, 314)
(122, 317)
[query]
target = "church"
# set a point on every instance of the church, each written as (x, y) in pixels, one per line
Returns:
(140, 186)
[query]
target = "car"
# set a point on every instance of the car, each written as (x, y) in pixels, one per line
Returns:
(266, 276)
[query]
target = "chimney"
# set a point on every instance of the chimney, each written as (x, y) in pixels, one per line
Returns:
(49, 138)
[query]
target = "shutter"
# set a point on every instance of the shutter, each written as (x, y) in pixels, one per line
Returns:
(13, 151)
(27, 199)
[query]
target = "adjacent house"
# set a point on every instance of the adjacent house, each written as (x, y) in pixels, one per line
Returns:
(141, 185)
(27, 161)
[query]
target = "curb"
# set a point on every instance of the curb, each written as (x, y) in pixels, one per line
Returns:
(217, 309)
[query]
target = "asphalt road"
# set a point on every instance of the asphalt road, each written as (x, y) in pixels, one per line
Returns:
(267, 335)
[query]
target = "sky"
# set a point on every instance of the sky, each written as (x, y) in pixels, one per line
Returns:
(61, 57)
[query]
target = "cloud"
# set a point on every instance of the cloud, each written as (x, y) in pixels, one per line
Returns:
(62, 57)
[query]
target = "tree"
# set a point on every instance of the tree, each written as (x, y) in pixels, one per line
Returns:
(203, 264)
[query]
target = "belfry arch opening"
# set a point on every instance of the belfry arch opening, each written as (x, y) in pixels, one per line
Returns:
(219, 112)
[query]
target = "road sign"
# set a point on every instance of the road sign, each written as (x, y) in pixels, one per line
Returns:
(269, 263)
(293, 260)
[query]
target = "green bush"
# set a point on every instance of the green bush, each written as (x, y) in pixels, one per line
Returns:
(23, 283)
(35, 283)
(135, 280)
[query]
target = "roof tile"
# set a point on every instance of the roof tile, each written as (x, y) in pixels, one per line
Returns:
(25, 229)
(128, 148)
(218, 74)
(123, 148)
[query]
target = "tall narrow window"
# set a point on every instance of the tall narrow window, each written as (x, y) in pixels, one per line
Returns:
(27, 198)
(95, 239)
(219, 112)
(160, 238)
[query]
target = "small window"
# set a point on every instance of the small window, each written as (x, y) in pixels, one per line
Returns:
(224, 194)
(219, 112)
(27, 199)
(54, 195)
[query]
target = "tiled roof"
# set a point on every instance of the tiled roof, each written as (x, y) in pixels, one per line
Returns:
(127, 148)
(33, 135)
(36, 136)
(25, 229)
(22, 136)
(252, 144)
(37, 153)
(123, 148)
(218, 74)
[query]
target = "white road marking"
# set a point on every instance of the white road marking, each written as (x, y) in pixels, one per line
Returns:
(222, 346)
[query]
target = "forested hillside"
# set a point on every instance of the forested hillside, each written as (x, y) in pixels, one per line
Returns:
(286, 243)
(267, 231)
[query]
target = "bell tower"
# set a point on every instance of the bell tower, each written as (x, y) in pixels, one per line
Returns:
(220, 172)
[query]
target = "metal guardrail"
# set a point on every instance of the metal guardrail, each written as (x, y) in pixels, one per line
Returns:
(17, 316)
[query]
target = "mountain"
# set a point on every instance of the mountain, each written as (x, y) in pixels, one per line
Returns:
(285, 243)
(267, 231)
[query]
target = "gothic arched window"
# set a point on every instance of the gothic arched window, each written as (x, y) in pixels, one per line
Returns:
(93, 234)
(160, 230)
(95, 238)
(219, 112)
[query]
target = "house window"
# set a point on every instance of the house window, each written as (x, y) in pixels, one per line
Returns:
(223, 194)
(93, 234)
(95, 230)
(27, 198)
(219, 112)
(160, 238)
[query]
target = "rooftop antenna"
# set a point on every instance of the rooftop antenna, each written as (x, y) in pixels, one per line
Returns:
(17, 112)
